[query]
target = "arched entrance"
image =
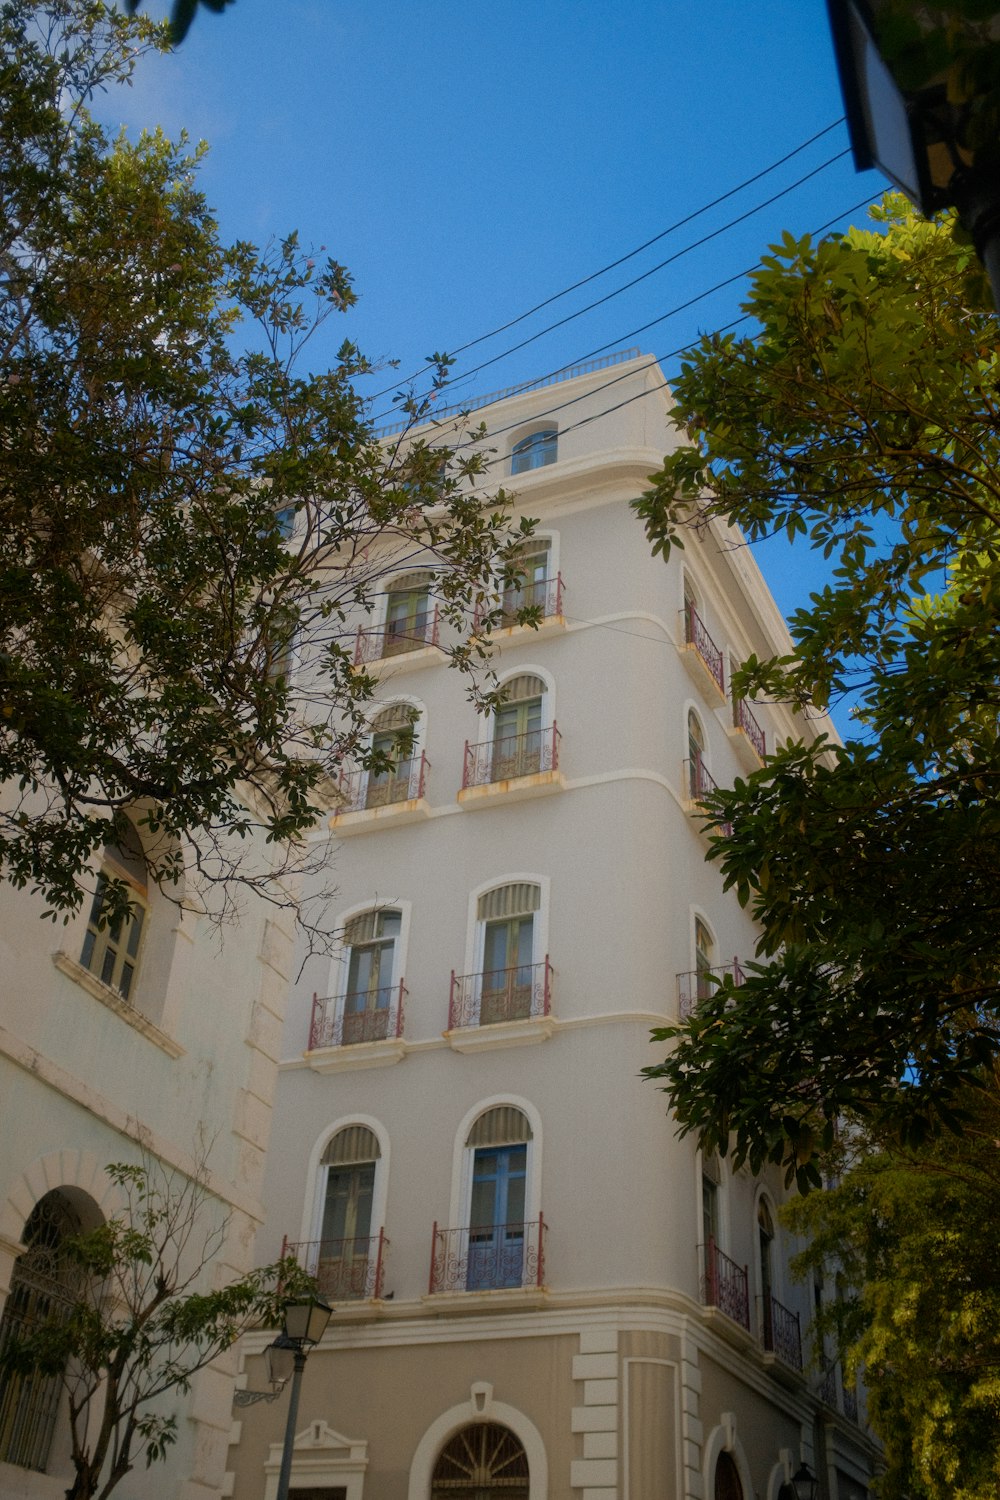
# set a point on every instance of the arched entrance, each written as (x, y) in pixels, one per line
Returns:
(42, 1289)
(479, 1462)
(727, 1479)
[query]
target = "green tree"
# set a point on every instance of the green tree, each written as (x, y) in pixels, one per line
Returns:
(861, 417)
(182, 14)
(139, 1324)
(180, 500)
(914, 1235)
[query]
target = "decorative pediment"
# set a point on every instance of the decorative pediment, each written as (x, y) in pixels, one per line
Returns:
(321, 1459)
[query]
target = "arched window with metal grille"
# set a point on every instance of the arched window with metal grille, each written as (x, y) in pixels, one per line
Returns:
(482, 1460)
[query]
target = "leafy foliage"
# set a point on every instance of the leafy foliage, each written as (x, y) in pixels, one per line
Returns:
(863, 419)
(141, 1325)
(182, 506)
(914, 1235)
(182, 14)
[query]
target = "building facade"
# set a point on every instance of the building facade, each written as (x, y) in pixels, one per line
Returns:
(540, 1290)
(155, 1041)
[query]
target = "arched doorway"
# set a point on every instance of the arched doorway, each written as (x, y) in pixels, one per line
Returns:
(727, 1479)
(479, 1462)
(42, 1289)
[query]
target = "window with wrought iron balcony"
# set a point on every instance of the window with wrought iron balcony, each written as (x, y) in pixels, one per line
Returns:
(371, 1007)
(703, 656)
(347, 1258)
(521, 746)
(412, 621)
(496, 1248)
(514, 984)
(533, 592)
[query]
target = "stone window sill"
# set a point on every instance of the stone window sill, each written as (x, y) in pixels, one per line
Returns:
(116, 1002)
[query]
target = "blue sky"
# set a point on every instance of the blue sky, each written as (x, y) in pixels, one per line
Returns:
(467, 161)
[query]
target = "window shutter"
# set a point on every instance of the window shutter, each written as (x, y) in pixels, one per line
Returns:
(509, 901)
(519, 689)
(408, 583)
(396, 717)
(351, 1147)
(505, 1125)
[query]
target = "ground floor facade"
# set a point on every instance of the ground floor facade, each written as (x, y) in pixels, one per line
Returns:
(619, 1398)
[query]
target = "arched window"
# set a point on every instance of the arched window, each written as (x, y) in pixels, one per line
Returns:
(519, 744)
(371, 999)
(727, 1479)
(410, 619)
(44, 1284)
(481, 1460)
(699, 781)
(348, 1262)
(535, 451)
(765, 1254)
(499, 1144)
(111, 948)
(396, 776)
(532, 590)
(509, 972)
(704, 959)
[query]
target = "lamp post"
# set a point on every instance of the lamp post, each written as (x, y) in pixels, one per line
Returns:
(803, 1484)
(304, 1325)
(939, 152)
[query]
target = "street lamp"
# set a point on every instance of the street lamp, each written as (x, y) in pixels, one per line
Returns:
(939, 152)
(304, 1324)
(803, 1485)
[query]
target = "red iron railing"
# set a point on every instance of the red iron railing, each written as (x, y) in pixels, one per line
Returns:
(495, 995)
(697, 984)
(700, 784)
(363, 790)
(726, 1285)
(743, 718)
(697, 636)
(361, 1016)
(488, 1257)
(395, 640)
(511, 756)
(780, 1332)
(544, 594)
(345, 1270)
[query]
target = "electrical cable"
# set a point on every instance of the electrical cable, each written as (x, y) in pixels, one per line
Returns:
(628, 285)
(629, 255)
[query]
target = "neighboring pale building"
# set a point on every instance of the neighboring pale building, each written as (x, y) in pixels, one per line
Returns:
(540, 1291)
(161, 1038)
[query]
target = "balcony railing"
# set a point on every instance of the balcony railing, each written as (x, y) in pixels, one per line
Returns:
(698, 984)
(364, 790)
(850, 1404)
(726, 1285)
(495, 995)
(488, 1257)
(397, 639)
(697, 636)
(780, 1332)
(743, 718)
(358, 1016)
(826, 1386)
(542, 594)
(345, 1270)
(511, 756)
(700, 784)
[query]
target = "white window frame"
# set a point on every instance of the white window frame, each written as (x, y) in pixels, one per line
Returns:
(464, 1160)
(529, 431)
(316, 1175)
(475, 943)
(340, 961)
(419, 732)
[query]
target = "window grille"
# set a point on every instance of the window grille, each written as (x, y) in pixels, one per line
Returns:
(520, 689)
(504, 1125)
(480, 1460)
(516, 900)
(352, 1146)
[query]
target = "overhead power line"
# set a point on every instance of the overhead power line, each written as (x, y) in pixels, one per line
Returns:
(622, 259)
(705, 239)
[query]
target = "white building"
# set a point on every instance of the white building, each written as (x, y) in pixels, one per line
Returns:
(160, 1039)
(540, 1290)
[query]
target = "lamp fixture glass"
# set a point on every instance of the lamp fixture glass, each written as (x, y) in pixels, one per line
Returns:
(804, 1483)
(305, 1321)
(279, 1360)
